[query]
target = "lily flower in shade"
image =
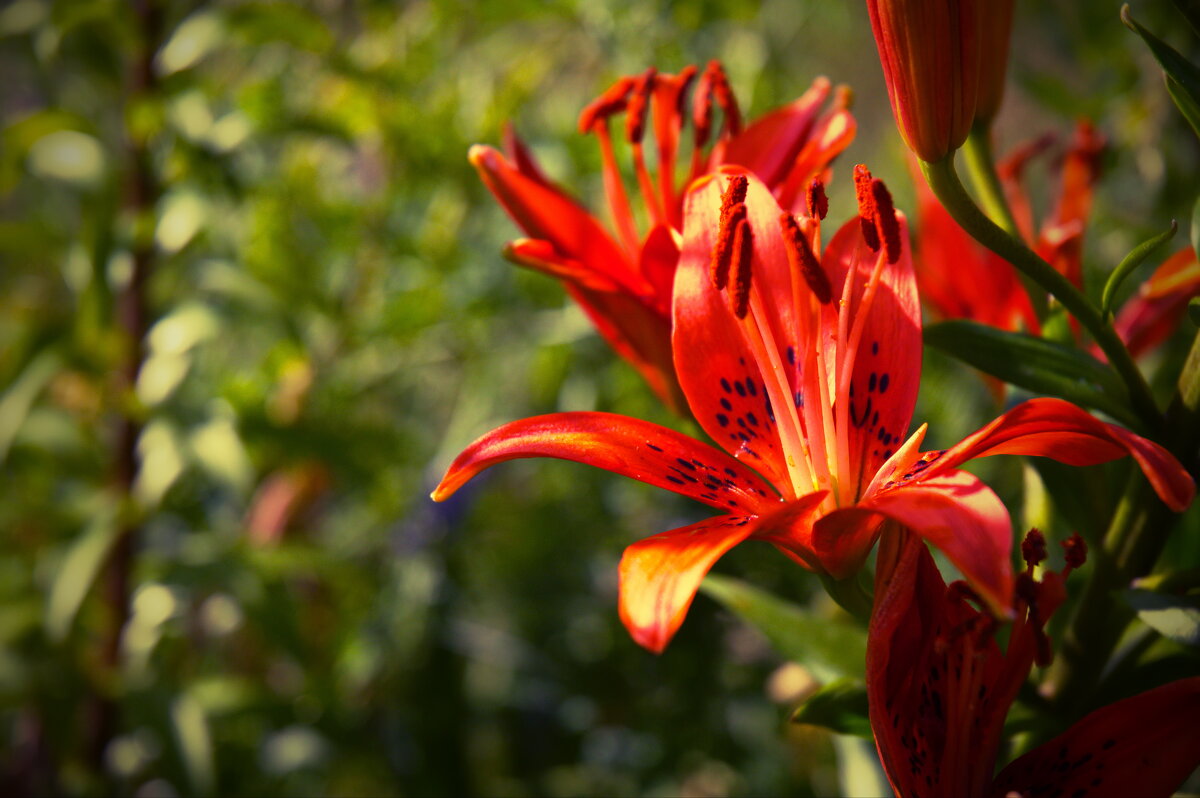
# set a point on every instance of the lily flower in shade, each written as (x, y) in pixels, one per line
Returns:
(805, 370)
(939, 688)
(623, 279)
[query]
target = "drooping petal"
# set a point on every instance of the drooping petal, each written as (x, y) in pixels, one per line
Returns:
(959, 514)
(658, 259)
(638, 333)
(830, 136)
(887, 361)
(545, 213)
(660, 575)
(716, 367)
(1057, 429)
(638, 449)
(1145, 745)
(770, 144)
(542, 256)
(1153, 313)
(522, 158)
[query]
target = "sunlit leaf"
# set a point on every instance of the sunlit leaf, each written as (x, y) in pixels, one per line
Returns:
(189, 725)
(74, 576)
(1131, 262)
(1174, 617)
(828, 647)
(839, 706)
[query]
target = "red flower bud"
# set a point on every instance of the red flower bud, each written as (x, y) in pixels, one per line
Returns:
(930, 51)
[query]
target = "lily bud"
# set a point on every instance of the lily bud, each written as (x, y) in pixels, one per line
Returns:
(930, 51)
(997, 30)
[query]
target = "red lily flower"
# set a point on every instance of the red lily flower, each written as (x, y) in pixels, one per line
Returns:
(939, 688)
(624, 282)
(806, 369)
(960, 278)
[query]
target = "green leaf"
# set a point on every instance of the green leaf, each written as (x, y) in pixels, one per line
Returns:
(18, 400)
(1177, 68)
(1035, 364)
(840, 706)
(78, 570)
(1194, 310)
(1174, 617)
(1131, 262)
(189, 725)
(1196, 227)
(828, 647)
(1191, 11)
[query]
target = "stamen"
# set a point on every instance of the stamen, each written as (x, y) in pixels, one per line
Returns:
(610, 102)
(885, 220)
(1026, 591)
(639, 105)
(743, 256)
(722, 255)
(802, 259)
(818, 203)
(1076, 551)
(866, 206)
(728, 103)
(1033, 548)
(702, 108)
(733, 210)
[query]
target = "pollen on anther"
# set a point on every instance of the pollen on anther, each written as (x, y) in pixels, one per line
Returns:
(817, 202)
(639, 106)
(802, 259)
(1033, 548)
(1076, 551)
(866, 206)
(722, 255)
(885, 220)
(743, 255)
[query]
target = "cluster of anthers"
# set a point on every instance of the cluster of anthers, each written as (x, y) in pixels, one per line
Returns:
(815, 435)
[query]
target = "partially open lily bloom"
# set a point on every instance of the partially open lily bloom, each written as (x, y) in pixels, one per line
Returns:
(959, 278)
(931, 54)
(940, 687)
(623, 280)
(804, 368)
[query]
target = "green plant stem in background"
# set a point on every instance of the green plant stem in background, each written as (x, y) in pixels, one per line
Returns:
(981, 166)
(944, 182)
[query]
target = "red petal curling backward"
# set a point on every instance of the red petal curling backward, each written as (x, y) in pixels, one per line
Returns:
(1145, 745)
(769, 145)
(638, 449)
(1059, 430)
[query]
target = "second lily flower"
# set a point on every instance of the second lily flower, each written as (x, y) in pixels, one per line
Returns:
(805, 369)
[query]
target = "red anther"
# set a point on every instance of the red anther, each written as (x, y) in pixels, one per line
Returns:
(735, 193)
(866, 206)
(638, 106)
(722, 255)
(802, 259)
(702, 105)
(885, 220)
(843, 97)
(723, 93)
(683, 80)
(610, 102)
(1076, 551)
(1033, 548)
(818, 203)
(743, 256)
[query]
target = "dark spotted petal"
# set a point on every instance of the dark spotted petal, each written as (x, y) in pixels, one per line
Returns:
(638, 449)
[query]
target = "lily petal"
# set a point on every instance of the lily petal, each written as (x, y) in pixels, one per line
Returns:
(638, 449)
(959, 514)
(769, 145)
(887, 362)
(1059, 430)
(542, 256)
(660, 575)
(1145, 745)
(718, 371)
(1151, 315)
(546, 213)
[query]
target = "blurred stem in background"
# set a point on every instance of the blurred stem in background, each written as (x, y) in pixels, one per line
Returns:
(141, 191)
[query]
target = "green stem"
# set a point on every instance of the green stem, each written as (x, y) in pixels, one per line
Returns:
(981, 166)
(850, 595)
(944, 182)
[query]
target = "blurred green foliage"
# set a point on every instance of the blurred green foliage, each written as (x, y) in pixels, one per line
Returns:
(328, 322)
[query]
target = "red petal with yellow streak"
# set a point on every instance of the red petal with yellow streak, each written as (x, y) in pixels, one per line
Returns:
(638, 449)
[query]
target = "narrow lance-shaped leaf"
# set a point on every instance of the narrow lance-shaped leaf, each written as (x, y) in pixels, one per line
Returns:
(1186, 75)
(1174, 617)
(828, 648)
(1130, 262)
(1032, 363)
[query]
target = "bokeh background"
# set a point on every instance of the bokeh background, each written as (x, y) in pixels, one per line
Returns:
(220, 569)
